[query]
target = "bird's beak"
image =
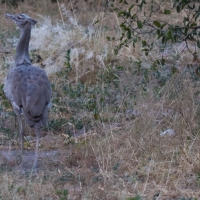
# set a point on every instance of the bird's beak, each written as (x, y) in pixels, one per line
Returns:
(9, 16)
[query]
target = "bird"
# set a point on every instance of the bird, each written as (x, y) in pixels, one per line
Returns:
(27, 87)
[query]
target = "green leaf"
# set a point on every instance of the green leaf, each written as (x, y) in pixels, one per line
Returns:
(174, 70)
(145, 49)
(157, 24)
(65, 193)
(116, 51)
(163, 40)
(144, 43)
(6, 104)
(130, 8)
(167, 12)
(97, 21)
(138, 197)
(123, 26)
(59, 192)
(1, 87)
(159, 34)
(133, 16)
(193, 24)
(163, 25)
(96, 115)
(185, 31)
(135, 39)
(191, 7)
(121, 13)
(139, 24)
(178, 9)
(198, 44)
(169, 34)
(174, 39)
(108, 38)
(197, 15)
(128, 33)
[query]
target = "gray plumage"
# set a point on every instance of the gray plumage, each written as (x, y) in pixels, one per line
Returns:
(26, 86)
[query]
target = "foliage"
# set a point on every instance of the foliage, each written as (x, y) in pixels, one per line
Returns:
(56, 124)
(55, 1)
(11, 3)
(139, 22)
(138, 197)
(62, 194)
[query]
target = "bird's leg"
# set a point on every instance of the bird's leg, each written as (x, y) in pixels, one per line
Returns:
(21, 132)
(37, 132)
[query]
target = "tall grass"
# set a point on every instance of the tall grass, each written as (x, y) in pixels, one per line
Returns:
(121, 127)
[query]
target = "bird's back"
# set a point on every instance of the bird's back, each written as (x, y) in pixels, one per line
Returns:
(29, 88)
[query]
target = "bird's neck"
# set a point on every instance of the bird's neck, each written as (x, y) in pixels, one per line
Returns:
(22, 54)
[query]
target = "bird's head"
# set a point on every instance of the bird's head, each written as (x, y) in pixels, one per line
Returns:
(21, 20)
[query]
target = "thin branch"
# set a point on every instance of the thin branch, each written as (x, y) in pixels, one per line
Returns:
(188, 47)
(61, 15)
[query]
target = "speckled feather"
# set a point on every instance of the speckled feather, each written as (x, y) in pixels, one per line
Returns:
(29, 88)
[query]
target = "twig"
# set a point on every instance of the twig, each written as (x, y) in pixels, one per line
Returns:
(60, 12)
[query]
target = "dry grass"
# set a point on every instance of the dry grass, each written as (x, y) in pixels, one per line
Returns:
(137, 136)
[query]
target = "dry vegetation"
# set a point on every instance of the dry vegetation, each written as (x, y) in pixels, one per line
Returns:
(117, 129)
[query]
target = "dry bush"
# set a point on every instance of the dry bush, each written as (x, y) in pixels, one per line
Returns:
(136, 158)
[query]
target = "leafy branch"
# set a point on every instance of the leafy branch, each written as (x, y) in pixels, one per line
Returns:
(138, 20)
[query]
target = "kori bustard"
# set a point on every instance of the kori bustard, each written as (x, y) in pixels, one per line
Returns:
(27, 87)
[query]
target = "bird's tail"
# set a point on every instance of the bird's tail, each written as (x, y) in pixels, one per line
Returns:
(36, 121)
